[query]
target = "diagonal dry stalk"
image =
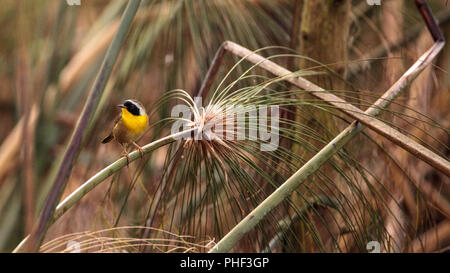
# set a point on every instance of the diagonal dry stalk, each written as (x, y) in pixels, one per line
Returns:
(367, 118)
(432, 240)
(333, 147)
(102, 175)
(12, 143)
(39, 230)
(378, 52)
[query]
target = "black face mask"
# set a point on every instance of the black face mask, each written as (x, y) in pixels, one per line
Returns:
(132, 108)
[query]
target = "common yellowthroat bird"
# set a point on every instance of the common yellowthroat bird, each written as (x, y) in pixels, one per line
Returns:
(129, 126)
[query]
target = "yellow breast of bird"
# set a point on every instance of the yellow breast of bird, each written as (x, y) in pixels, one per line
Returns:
(136, 125)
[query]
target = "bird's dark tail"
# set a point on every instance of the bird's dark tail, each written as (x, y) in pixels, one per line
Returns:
(108, 138)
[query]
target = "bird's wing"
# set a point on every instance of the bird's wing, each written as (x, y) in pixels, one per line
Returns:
(111, 136)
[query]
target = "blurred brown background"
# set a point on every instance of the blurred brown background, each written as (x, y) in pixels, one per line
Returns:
(51, 52)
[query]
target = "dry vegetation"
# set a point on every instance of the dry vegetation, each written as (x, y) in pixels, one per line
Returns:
(185, 196)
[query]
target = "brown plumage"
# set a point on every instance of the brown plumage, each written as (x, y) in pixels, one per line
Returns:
(129, 126)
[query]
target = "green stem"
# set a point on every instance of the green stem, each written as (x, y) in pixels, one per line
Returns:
(102, 175)
(286, 189)
(70, 154)
(293, 182)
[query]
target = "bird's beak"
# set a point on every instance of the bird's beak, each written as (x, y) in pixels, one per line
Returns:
(121, 106)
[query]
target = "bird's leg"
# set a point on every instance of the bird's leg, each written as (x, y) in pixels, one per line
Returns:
(125, 153)
(139, 148)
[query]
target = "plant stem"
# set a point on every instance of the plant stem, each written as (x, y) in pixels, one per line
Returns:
(111, 169)
(292, 183)
(102, 175)
(282, 192)
(366, 118)
(211, 74)
(378, 52)
(73, 148)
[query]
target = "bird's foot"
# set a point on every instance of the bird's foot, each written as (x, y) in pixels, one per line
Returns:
(139, 148)
(125, 154)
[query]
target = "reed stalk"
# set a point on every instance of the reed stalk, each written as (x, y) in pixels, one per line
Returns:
(334, 146)
(102, 175)
(73, 148)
